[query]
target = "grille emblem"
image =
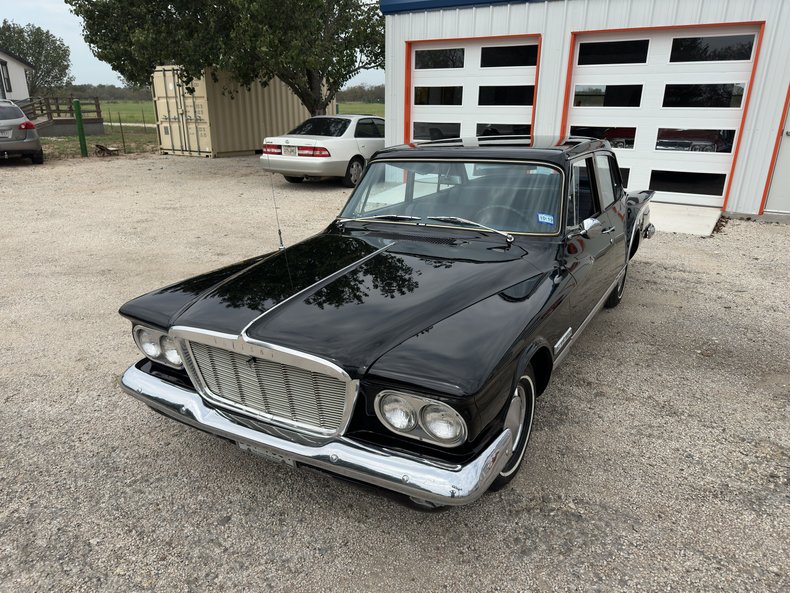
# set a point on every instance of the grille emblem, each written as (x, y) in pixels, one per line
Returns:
(250, 362)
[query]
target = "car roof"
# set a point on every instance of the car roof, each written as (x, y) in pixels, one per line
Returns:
(347, 116)
(543, 148)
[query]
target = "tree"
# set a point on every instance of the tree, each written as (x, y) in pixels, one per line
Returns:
(313, 46)
(48, 54)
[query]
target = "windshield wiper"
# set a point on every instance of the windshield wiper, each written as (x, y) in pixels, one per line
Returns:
(388, 217)
(458, 220)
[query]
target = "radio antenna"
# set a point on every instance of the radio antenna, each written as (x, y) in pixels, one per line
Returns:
(274, 200)
(277, 220)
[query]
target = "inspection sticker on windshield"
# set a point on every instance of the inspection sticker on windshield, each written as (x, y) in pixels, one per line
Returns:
(545, 218)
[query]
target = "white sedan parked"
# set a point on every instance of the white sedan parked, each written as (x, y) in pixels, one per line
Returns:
(325, 146)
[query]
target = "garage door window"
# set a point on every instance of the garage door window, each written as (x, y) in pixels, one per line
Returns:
(609, 95)
(686, 182)
(503, 129)
(506, 95)
(438, 95)
(428, 59)
(712, 49)
(436, 130)
(703, 95)
(617, 137)
(695, 140)
(613, 52)
(508, 55)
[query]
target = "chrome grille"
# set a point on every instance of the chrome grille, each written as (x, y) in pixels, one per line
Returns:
(274, 389)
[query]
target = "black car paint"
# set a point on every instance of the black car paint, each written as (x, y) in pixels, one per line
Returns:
(374, 297)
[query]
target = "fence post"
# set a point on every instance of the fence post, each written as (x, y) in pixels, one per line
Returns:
(80, 128)
(123, 140)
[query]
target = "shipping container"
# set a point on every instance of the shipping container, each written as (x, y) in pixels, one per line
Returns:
(217, 117)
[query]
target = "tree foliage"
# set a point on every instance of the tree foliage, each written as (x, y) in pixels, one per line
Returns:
(362, 93)
(50, 56)
(313, 46)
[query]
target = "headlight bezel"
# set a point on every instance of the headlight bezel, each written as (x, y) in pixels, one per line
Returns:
(158, 338)
(420, 432)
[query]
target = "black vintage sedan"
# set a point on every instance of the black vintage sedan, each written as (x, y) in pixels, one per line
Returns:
(403, 346)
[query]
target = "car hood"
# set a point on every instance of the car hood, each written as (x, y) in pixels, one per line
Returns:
(349, 298)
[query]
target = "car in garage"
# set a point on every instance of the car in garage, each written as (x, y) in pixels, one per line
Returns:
(18, 135)
(403, 346)
(325, 146)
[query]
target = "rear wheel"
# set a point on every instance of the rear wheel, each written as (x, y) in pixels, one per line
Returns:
(617, 294)
(290, 179)
(37, 158)
(353, 172)
(519, 418)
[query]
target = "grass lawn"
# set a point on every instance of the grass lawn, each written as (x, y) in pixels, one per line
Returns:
(130, 111)
(137, 139)
(367, 108)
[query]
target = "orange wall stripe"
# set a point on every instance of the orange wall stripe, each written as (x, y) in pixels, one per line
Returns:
(743, 117)
(776, 151)
(407, 93)
(568, 78)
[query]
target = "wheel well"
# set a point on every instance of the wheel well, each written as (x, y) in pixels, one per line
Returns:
(635, 244)
(542, 365)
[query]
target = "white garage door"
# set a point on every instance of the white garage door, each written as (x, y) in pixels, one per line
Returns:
(464, 88)
(670, 101)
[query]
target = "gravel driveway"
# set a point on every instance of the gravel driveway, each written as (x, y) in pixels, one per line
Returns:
(660, 461)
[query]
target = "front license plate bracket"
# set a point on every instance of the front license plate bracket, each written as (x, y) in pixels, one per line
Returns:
(267, 454)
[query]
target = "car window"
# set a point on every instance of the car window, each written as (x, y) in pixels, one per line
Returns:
(379, 123)
(366, 129)
(606, 186)
(10, 112)
(322, 126)
(516, 197)
(583, 203)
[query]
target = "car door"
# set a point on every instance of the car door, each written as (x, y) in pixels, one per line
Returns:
(612, 197)
(368, 138)
(589, 257)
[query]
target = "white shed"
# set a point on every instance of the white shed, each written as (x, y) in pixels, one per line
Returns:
(692, 95)
(13, 81)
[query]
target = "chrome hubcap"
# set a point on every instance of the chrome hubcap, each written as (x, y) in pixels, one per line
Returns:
(519, 421)
(356, 172)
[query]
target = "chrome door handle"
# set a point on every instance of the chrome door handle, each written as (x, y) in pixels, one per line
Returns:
(607, 231)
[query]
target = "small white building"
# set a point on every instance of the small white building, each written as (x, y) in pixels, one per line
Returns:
(692, 95)
(13, 81)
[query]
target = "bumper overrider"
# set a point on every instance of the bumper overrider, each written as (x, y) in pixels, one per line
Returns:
(423, 479)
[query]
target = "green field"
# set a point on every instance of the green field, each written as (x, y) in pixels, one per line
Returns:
(138, 140)
(366, 108)
(131, 112)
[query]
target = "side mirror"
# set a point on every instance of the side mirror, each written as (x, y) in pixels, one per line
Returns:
(591, 228)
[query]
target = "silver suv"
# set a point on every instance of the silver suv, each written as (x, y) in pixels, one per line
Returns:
(18, 135)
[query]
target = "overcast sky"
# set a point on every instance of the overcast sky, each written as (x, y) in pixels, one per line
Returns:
(55, 16)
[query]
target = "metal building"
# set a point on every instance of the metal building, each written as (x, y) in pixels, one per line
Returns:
(692, 95)
(213, 122)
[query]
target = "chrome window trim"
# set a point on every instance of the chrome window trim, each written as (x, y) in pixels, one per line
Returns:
(243, 344)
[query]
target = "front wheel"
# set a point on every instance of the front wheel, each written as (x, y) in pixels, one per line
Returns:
(519, 418)
(617, 294)
(353, 172)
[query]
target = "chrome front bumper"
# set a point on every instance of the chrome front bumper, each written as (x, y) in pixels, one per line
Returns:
(443, 484)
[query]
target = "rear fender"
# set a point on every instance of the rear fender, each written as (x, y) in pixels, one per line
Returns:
(638, 218)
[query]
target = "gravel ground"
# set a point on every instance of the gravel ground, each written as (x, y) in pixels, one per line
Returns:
(660, 460)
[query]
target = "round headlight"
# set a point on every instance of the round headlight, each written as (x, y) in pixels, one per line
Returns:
(442, 423)
(398, 412)
(149, 343)
(170, 350)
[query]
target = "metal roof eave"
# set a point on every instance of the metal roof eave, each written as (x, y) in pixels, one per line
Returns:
(396, 6)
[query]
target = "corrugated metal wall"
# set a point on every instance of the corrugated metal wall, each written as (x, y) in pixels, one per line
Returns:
(556, 19)
(215, 122)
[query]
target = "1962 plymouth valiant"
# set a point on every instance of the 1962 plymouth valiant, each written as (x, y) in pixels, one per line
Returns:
(403, 346)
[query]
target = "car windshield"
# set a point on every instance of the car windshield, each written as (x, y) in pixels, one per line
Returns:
(10, 112)
(322, 126)
(514, 197)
